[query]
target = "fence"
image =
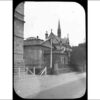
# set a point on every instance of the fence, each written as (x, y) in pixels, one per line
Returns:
(32, 72)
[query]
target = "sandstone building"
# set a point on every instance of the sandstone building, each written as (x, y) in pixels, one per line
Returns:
(18, 38)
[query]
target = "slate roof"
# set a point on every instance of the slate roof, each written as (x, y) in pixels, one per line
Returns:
(56, 42)
(56, 39)
(62, 40)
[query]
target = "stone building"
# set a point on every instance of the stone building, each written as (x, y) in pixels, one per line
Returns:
(18, 38)
(53, 52)
(34, 53)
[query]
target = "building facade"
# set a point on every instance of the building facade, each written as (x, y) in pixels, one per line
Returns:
(18, 38)
(53, 52)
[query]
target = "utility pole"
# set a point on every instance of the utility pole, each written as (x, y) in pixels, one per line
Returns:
(51, 55)
(51, 52)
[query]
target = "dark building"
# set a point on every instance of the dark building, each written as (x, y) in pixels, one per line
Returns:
(53, 53)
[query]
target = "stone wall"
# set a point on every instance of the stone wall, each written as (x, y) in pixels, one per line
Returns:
(34, 55)
(18, 38)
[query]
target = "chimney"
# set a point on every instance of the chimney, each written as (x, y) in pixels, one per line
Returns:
(46, 35)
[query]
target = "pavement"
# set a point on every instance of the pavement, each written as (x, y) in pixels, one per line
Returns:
(30, 86)
(72, 90)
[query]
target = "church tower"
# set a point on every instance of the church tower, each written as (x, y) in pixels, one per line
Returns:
(59, 30)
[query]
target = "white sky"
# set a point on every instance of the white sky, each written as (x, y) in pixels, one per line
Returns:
(42, 16)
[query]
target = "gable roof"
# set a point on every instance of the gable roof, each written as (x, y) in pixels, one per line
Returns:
(46, 43)
(54, 38)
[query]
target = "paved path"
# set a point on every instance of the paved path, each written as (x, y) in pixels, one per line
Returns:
(74, 89)
(31, 85)
(48, 82)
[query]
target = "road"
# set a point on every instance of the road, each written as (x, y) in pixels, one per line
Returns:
(74, 89)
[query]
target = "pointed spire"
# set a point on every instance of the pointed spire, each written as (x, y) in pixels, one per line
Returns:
(68, 39)
(59, 29)
(51, 30)
(59, 24)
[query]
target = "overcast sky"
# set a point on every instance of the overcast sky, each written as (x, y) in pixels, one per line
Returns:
(43, 16)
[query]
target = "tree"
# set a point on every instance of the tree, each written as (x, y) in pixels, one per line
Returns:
(78, 57)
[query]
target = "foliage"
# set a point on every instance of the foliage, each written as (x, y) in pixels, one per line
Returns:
(78, 57)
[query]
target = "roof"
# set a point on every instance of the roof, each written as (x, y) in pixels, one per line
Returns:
(30, 38)
(46, 43)
(56, 39)
(32, 41)
(56, 42)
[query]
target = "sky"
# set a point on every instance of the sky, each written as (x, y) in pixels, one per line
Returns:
(43, 16)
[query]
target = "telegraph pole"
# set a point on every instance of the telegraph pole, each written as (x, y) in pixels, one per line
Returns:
(51, 52)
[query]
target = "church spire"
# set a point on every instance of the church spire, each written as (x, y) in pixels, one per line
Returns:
(59, 29)
(68, 39)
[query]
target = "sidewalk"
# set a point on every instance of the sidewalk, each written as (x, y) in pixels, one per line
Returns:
(56, 80)
(33, 84)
